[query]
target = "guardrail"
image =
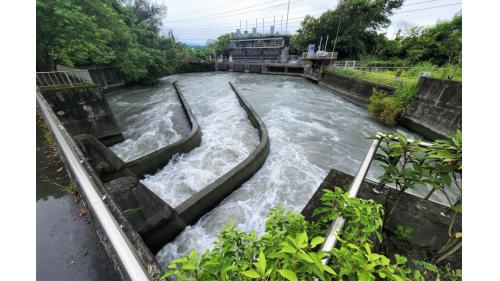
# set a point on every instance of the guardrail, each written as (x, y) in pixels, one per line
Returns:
(74, 162)
(63, 79)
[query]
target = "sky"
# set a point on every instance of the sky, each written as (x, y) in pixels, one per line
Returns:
(196, 21)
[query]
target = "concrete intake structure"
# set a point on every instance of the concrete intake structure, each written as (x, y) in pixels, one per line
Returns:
(209, 197)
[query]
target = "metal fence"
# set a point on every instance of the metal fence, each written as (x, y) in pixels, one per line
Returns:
(63, 79)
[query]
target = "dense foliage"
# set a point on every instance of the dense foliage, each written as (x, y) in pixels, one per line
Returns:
(289, 249)
(360, 23)
(107, 32)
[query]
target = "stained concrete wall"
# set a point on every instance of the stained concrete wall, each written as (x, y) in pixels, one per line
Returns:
(210, 196)
(85, 111)
(108, 78)
(356, 90)
(430, 227)
(436, 110)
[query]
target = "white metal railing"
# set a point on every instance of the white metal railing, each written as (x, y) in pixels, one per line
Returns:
(56, 79)
(338, 224)
(74, 161)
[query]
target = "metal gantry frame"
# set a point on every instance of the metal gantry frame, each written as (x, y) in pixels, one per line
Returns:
(74, 162)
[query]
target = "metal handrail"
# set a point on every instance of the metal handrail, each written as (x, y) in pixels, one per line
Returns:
(63, 78)
(338, 224)
(119, 241)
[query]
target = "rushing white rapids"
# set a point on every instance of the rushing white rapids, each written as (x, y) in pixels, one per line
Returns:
(311, 131)
(151, 118)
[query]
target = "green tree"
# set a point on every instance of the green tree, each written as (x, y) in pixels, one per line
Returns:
(358, 22)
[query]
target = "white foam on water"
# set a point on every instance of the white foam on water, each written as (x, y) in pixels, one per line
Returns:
(151, 119)
(227, 139)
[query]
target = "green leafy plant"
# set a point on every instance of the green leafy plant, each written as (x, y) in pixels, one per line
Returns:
(402, 232)
(364, 216)
(407, 165)
(386, 107)
(355, 262)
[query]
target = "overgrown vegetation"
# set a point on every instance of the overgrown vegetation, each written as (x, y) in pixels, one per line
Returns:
(123, 33)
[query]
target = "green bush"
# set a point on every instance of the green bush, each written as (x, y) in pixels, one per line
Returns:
(386, 107)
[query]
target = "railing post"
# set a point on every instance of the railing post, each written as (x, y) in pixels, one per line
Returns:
(67, 77)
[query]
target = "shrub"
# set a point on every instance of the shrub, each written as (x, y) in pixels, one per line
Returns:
(387, 108)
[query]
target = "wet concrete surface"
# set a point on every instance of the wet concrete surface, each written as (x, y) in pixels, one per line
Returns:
(67, 245)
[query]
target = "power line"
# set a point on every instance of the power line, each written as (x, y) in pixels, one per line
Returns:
(298, 25)
(229, 11)
(254, 10)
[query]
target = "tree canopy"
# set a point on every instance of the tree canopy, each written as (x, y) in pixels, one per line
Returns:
(357, 21)
(107, 32)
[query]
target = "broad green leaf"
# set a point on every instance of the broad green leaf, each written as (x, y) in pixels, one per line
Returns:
(316, 241)
(262, 264)
(251, 274)
(288, 274)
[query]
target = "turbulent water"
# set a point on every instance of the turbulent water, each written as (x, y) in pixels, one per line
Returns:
(150, 118)
(311, 130)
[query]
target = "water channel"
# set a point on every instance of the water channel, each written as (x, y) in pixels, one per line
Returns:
(311, 130)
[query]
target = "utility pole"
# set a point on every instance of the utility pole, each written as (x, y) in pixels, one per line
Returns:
(281, 25)
(262, 25)
(240, 25)
(287, 11)
(246, 23)
(320, 41)
(326, 42)
(335, 41)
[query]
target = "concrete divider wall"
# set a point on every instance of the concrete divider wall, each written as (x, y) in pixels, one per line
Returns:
(153, 161)
(356, 90)
(199, 204)
(430, 228)
(436, 110)
(84, 111)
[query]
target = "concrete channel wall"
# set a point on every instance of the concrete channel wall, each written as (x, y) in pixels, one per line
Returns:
(424, 217)
(436, 110)
(355, 90)
(209, 197)
(84, 111)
